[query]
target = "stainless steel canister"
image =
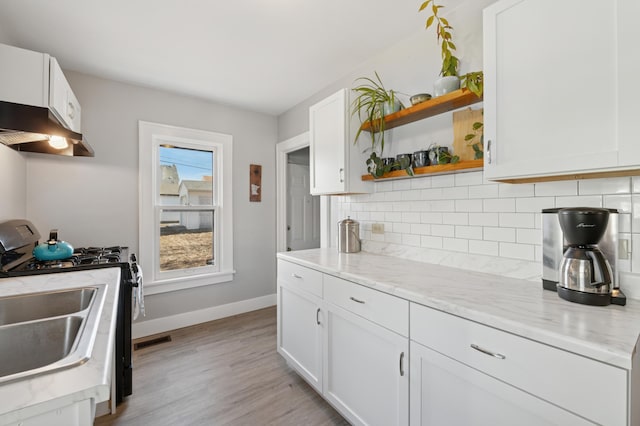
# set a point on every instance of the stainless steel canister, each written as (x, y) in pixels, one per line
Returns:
(348, 236)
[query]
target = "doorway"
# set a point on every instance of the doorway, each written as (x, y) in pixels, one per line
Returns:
(301, 217)
(303, 209)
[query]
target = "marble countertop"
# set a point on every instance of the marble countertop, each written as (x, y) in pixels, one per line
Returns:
(608, 334)
(47, 392)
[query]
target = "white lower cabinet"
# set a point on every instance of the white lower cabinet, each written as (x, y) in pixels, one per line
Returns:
(299, 322)
(446, 392)
(366, 370)
(338, 344)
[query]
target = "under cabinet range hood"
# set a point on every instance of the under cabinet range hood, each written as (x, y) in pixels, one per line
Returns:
(35, 129)
(38, 110)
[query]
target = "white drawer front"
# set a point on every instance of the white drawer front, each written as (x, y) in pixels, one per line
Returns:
(301, 277)
(386, 310)
(578, 384)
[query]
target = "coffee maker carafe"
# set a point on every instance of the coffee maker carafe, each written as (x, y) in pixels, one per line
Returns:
(585, 274)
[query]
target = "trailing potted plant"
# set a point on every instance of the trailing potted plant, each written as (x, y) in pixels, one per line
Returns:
(450, 80)
(372, 102)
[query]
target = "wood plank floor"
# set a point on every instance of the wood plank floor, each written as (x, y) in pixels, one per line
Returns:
(224, 372)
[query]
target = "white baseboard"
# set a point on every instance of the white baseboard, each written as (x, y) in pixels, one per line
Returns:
(161, 325)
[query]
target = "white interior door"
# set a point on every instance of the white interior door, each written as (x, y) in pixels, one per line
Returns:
(303, 210)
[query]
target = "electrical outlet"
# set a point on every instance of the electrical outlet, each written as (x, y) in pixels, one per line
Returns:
(377, 228)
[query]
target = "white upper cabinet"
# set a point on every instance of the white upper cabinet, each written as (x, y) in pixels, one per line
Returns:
(62, 101)
(36, 79)
(336, 164)
(559, 94)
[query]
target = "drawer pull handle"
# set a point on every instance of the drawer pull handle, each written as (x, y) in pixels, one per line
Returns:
(488, 352)
(296, 276)
(318, 316)
(402, 363)
(357, 300)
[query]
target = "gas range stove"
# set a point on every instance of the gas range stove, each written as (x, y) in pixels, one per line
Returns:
(82, 258)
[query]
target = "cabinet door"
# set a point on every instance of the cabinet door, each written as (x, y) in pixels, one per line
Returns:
(328, 139)
(551, 87)
(62, 101)
(366, 370)
(446, 392)
(300, 332)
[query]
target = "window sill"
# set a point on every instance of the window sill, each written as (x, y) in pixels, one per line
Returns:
(183, 283)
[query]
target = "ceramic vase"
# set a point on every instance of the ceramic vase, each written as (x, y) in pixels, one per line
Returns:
(446, 84)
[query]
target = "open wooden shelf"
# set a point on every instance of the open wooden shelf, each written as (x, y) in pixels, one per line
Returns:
(448, 102)
(467, 166)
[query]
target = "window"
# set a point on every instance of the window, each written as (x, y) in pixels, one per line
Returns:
(185, 207)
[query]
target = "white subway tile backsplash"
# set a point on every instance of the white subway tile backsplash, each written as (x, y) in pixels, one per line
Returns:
(401, 228)
(483, 191)
(579, 201)
(604, 186)
(456, 219)
(489, 248)
(529, 236)
(468, 179)
(468, 205)
(411, 240)
(443, 205)
(431, 217)
(401, 184)
(384, 186)
(455, 244)
(534, 204)
(421, 228)
(517, 220)
(420, 183)
(442, 181)
(411, 217)
(517, 251)
(483, 219)
(509, 190)
(443, 230)
(469, 232)
(465, 213)
(428, 241)
(563, 187)
(499, 234)
(431, 194)
(457, 193)
(393, 217)
(499, 205)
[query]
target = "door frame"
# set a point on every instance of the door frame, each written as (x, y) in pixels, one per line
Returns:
(282, 150)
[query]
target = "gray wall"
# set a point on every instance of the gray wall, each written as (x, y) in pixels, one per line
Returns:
(410, 66)
(94, 201)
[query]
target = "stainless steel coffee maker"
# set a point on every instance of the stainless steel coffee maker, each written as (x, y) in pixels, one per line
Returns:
(580, 255)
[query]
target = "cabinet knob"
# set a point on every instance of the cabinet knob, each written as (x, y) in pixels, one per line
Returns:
(318, 316)
(489, 151)
(357, 300)
(341, 175)
(294, 275)
(402, 363)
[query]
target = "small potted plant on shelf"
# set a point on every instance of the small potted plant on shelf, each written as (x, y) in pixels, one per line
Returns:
(450, 80)
(372, 102)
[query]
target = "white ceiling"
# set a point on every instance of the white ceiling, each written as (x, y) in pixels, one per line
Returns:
(262, 55)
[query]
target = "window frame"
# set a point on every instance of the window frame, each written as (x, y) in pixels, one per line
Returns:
(151, 137)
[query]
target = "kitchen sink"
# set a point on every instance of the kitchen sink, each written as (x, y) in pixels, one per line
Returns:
(45, 332)
(34, 306)
(35, 344)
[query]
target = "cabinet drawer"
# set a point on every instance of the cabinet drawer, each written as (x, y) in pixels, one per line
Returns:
(583, 386)
(304, 278)
(386, 310)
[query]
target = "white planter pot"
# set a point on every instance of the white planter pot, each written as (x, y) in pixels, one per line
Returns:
(445, 85)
